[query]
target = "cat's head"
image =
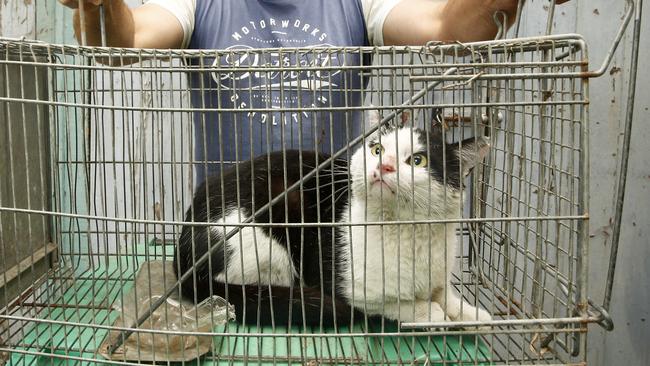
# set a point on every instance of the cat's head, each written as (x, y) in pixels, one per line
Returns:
(406, 164)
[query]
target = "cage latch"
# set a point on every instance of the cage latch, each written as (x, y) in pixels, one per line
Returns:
(602, 316)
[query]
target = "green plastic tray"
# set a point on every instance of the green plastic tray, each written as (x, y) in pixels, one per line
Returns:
(88, 298)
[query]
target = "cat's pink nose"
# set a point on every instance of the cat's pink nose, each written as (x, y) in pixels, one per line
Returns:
(386, 168)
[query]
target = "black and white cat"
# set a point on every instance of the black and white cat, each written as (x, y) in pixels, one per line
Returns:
(322, 274)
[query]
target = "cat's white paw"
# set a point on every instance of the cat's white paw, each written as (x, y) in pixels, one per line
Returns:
(484, 316)
(472, 314)
(429, 312)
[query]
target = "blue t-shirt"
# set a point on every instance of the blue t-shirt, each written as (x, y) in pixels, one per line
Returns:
(236, 132)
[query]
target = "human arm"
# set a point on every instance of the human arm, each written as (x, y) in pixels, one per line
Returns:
(146, 26)
(414, 22)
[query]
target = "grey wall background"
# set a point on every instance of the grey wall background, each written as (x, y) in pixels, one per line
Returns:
(597, 20)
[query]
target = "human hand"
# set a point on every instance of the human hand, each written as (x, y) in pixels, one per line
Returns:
(472, 20)
(74, 4)
(510, 5)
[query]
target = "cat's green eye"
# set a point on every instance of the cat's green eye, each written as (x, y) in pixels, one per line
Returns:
(376, 149)
(417, 160)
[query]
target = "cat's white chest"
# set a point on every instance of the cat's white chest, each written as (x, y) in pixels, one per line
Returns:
(405, 261)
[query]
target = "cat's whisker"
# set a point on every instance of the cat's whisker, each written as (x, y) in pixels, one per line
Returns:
(338, 192)
(409, 194)
(323, 185)
(341, 195)
(425, 201)
(343, 180)
(329, 171)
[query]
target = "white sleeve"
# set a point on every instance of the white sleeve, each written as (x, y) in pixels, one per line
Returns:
(375, 13)
(184, 11)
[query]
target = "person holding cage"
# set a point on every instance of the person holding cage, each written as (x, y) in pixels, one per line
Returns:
(293, 109)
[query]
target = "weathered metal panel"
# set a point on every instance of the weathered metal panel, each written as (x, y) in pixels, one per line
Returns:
(25, 240)
(597, 21)
(627, 343)
(18, 18)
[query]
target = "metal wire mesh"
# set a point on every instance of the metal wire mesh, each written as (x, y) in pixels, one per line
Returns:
(117, 149)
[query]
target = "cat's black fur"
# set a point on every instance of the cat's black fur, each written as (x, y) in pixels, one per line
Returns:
(312, 245)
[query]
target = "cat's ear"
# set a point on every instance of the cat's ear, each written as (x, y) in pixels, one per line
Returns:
(372, 116)
(471, 152)
(438, 125)
(405, 118)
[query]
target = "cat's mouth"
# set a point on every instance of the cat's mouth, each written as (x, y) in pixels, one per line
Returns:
(382, 185)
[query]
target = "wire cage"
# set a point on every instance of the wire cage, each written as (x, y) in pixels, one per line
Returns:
(103, 160)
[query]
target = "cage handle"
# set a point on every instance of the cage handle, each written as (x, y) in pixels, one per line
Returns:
(631, 5)
(622, 177)
(617, 40)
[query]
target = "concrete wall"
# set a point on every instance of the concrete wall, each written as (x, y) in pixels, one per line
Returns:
(597, 20)
(628, 343)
